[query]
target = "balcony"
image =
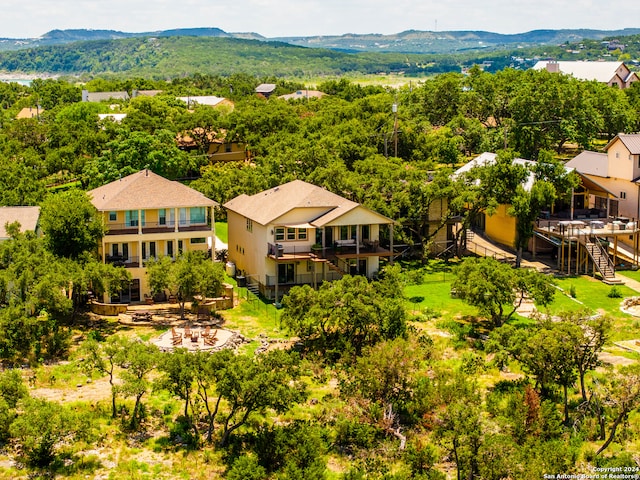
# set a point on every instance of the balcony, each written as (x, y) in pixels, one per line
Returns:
(155, 227)
(122, 261)
(340, 249)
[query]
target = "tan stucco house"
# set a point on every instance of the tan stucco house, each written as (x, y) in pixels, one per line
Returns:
(149, 216)
(299, 233)
(618, 170)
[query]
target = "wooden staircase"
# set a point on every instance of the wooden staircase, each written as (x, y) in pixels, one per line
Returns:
(253, 288)
(330, 263)
(602, 261)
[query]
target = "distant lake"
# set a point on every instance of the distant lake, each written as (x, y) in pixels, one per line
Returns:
(21, 81)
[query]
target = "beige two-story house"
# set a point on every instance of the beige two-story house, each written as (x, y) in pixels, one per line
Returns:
(148, 216)
(299, 233)
(618, 170)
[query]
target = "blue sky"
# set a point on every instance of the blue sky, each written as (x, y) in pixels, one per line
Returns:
(273, 18)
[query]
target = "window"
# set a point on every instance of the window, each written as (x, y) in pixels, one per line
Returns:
(365, 232)
(125, 251)
(162, 217)
(198, 240)
(198, 215)
(114, 250)
(152, 249)
(180, 247)
(131, 218)
(183, 216)
(249, 225)
(279, 236)
(113, 216)
(623, 195)
(227, 147)
(302, 234)
(344, 232)
(170, 248)
(291, 233)
(285, 273)
(617, 154)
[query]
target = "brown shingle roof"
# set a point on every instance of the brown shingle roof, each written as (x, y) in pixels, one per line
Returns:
(266, 207)
(27, 216)
(146, 190)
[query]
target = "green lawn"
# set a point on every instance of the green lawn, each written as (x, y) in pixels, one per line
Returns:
(590, 293)
(222, 231)
(254, 316)
(434, 297)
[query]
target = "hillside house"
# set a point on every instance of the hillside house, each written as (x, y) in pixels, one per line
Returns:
(614, 74)
(299, 233)
(266, 89)
(148, 216)
(617, 170)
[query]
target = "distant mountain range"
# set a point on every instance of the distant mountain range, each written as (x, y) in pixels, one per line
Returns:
(410, 41)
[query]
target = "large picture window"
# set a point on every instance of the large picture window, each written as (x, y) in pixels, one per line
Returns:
(198, 215)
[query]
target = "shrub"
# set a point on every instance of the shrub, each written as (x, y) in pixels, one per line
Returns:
(614, 292)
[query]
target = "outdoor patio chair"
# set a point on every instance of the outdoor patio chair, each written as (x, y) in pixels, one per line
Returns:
(210, 340)
(207, 331)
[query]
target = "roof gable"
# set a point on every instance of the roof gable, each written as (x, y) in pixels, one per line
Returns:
(146, 190)
(268, 206)
(630, 141)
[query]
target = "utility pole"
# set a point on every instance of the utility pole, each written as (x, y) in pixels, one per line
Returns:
(394, 109)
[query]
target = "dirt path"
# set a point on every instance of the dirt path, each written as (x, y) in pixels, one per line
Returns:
(95, 391)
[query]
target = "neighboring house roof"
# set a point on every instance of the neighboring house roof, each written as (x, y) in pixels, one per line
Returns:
(209, 100)
(145, 93)
(266, 88)
(303, 94)
(489, 158)
(30, 112)
(599, 71)
(590, 163)
(268, 206)
(630, 141)
(116, 117)
(146, 190)
(102, 96)
(27, 216)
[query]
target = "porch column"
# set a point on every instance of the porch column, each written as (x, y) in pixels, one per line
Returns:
(357, 240)
(213, 234)
(572, 200)
(176, 220)
(391, 242)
